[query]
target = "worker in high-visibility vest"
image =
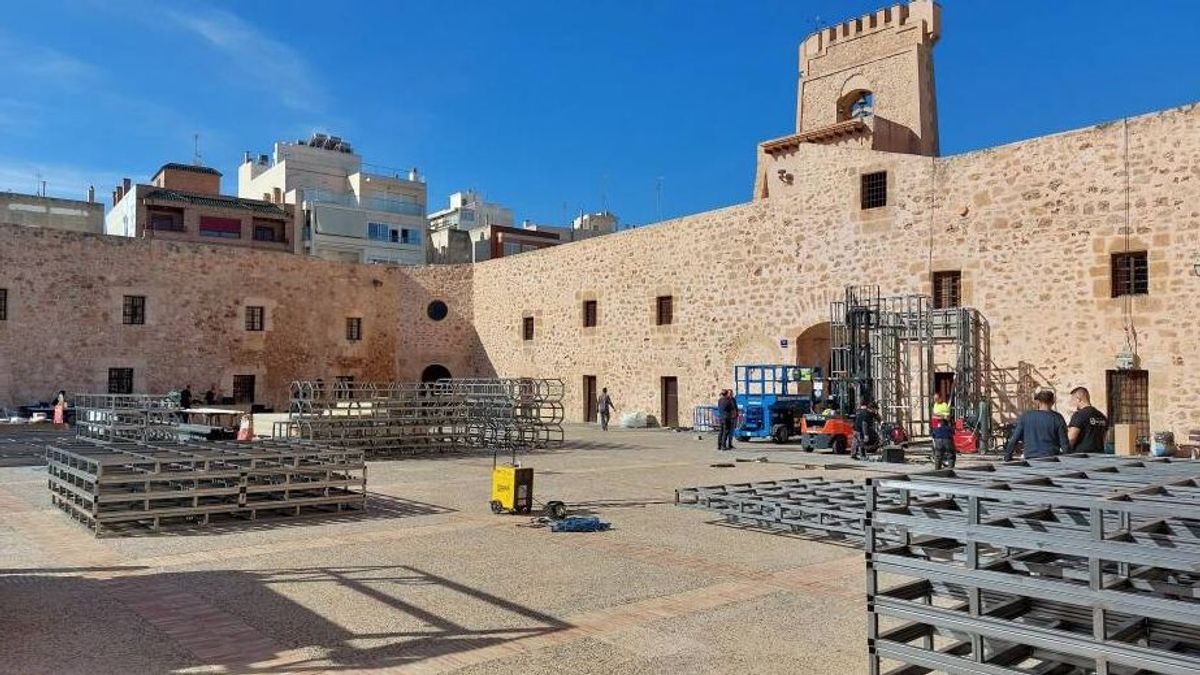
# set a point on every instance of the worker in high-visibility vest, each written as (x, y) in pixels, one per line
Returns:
(943, 433)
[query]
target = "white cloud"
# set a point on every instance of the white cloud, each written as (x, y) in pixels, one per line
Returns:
(36, 65)
(257, 58)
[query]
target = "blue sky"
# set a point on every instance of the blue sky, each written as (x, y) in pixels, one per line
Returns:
(546, 106)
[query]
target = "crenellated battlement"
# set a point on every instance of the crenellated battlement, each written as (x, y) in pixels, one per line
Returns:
(921, 17)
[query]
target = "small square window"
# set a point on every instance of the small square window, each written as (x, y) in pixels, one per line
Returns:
(664, 310)
(527, 328)
(947, 289)
(254, 317)
(1130, 274)
(120, 380)
(133, 311)
(874, 190)
(243, 389)
(3, 304)
(589, 313)
(353, 328)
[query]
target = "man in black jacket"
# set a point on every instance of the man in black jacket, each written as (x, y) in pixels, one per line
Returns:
(866, 430)
(727, 411)
(1043, 431)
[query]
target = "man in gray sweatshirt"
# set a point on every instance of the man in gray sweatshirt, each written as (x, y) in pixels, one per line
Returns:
(1044, 431)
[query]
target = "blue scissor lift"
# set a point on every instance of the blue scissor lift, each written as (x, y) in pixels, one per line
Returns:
(772, 398)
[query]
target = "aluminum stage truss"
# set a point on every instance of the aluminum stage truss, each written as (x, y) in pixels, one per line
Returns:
(126, 417)
(1073, 565)
(816, 506)
(888, 349)
(395, 419)
(125, 487)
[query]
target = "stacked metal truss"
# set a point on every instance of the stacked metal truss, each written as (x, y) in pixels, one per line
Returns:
(122, 486)
(409, 418)
(126, 417)
(1076, 564)
(883, 348)
(815, 505)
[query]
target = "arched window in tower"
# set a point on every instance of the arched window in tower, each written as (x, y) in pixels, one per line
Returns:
(857, 104)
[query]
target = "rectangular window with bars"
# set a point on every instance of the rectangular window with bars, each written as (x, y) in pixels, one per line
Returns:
(133, 311)
(243, 389)
(3, 304)
(874, 190)
(353, 328)
(947, 289)
(255, 316)
(664, 310)
(589, 313)
(120, 380)
(1129, 400)
(1130, 274)
(527, 328)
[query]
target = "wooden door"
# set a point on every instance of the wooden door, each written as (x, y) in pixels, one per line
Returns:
(589, 398)
(670, 402)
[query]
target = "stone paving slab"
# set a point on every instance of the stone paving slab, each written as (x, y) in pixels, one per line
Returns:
(435, 583)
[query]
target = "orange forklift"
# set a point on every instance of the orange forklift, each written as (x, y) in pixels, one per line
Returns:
(826, 430)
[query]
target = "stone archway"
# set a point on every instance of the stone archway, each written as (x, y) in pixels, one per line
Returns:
(435, 372)
(812, 347)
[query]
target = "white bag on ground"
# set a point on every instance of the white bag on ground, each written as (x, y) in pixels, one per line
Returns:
(633, 420)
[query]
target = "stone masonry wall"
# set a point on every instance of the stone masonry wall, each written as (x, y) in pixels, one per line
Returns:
(1030, 225)
(64, 328)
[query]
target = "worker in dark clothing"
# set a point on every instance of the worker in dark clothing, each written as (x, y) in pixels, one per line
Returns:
(1088, 426)
(185, 397)
(1043, 430)
(866, 430)
(605, 404)
(727, 415)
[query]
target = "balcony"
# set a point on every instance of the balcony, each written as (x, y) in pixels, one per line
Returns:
(401, 207)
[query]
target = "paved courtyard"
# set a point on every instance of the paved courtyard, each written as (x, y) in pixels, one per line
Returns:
(430, 581)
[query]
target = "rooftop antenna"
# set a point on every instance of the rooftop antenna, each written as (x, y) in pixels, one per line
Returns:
(604, 193)
(196, 149)
(39, 187)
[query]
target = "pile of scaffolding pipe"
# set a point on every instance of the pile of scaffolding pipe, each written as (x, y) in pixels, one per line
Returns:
(396, 419)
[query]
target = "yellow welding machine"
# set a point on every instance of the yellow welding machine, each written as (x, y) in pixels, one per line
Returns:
(512, 489)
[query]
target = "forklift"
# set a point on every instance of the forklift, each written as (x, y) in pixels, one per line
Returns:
(512, 489)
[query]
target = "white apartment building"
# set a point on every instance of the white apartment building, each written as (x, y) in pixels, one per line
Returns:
(468, 211)
(350, 215)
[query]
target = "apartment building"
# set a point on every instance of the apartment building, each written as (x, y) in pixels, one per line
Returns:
(183, 202)
(349, 213)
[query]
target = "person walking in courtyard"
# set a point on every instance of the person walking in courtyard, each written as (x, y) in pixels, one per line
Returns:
(727, 417)
(605, 405)
(942, 434)
(1088, 426)
(1043, 431)
(60, 407)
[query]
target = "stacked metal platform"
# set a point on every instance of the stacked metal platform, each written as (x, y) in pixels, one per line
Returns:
(1076, 564)
(124, 486)
(816, 506)
(126, 417)
(409, 418)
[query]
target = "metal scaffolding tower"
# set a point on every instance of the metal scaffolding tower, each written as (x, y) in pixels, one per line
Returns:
(887, 349)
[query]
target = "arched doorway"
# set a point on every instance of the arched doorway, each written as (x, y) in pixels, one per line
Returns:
(435, 372)
(812, 347)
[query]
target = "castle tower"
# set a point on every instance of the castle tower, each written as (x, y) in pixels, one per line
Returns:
(869, 81)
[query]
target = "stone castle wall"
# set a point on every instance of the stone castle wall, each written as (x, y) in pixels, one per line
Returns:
(1030, 225)
(64, 328)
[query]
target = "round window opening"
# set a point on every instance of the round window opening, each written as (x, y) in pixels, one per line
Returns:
(437, 310)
